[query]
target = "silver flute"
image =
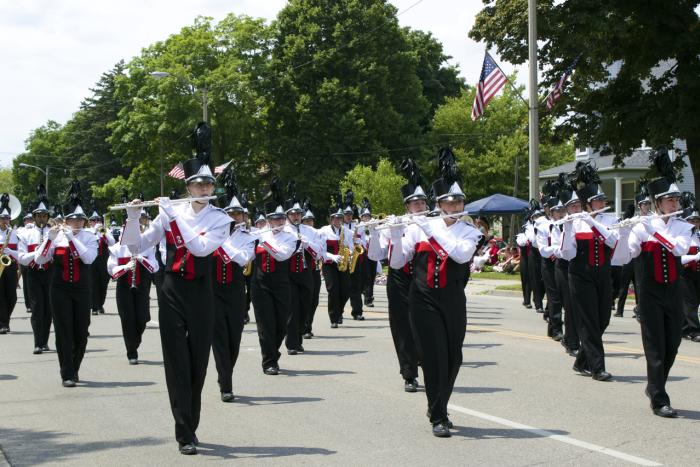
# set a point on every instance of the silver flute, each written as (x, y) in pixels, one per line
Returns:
(148, 204)
(637, 219)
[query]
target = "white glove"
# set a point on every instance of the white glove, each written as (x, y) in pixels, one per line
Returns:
(52, 234)
(332, 257)
(134, 213)
(424, 223)
(166, 207)
(646, 223)
(68, 233)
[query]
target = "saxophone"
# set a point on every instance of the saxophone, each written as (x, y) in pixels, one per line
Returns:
(5, 260)
(343, 251)
(133, 271)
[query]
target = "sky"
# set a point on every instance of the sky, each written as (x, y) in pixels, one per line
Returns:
(52, 52)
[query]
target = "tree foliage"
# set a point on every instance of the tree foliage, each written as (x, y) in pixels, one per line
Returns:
(638, 74)
(382, 186)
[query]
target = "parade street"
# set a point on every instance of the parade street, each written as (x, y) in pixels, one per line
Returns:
(516, 401)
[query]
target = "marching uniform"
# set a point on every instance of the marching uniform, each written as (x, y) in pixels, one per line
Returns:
(22, 268)
(547, 244)
(229, 298)
(133, 274)
(69, 292)
(37, 276)
(337, 282)
(8, 280)
(534, 262)
(100, 276)
(355, 277)
(524, 247)
(314, 265)
(691, 288)
(270, 289)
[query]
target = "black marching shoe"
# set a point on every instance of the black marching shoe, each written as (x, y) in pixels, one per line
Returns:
(334, 325)
(602, 376)
(188, 449)
(37, 351)
(441, 430)
(246, 320)
(410, 385)
(133, 361)
(358, 317)
(539, 310)
(95, 312)
(300, 349)
(227, 397)
(45, 348)
(693, 338)
(292, 351)
(308, 335)
(558, 336)
(618, 315)
(68, 383)
(271, 370)
(666, 411)
(4, 330)
(527, 305)
(581, 371)
(102, 310)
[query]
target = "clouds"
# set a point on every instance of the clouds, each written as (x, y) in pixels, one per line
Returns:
(52, 52)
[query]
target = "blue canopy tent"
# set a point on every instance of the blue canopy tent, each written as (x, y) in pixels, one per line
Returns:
(496, 205)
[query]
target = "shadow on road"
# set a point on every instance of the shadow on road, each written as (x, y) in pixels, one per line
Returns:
(151, 362)
(105, 336)
(690, 414)
(315, 372)
(34, 447)
(337, 337)
(115, 384)
(274, 400)
(481, 346)
(259, 452)
(336, 353)
(7, 377)
(478, 364)
(494, 433)
(635, 356)
(478, 390)
(643, 379)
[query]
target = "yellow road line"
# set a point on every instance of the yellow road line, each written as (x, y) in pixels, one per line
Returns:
(534, 337)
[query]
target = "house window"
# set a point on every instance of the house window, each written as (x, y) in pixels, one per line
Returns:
(629, 189)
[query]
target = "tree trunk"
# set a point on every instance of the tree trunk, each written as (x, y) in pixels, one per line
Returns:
(693, 147)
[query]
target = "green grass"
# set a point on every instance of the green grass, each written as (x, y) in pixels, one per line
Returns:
(496, 275)
(515, 287)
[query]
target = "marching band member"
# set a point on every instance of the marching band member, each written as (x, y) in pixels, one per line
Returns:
(336, 236)
(399, 280)
(548, 242)
(588, 244)
(27, 224)
(37, 275)
(524, 247)
(354, 276)
(133, 273)
(270, 288)
(193, 231)
(72, 249)
(308, 220)
(229, 290)
(534, 259)
(368, 266)
(660, 242)
(300, 278)
(8, 277)
(440, 250)
(691, 271)
(100, 277)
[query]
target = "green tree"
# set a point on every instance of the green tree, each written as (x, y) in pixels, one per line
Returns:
(381, 186)
(486, 150)
(638, 74)
(7, 182)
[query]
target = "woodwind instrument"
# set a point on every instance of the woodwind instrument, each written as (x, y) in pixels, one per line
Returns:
(412, 221)
(631, 222)
(579, 215)
(146, 204)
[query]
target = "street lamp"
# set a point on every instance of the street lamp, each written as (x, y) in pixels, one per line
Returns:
(45, 172)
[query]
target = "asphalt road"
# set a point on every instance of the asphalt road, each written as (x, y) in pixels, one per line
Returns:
(516, 401)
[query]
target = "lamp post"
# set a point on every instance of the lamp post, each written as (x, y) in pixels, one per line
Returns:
(45, 172)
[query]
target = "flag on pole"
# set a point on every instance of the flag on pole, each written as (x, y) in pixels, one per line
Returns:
(220, 168)
(556, 93)
(177, 172)
(491, 81)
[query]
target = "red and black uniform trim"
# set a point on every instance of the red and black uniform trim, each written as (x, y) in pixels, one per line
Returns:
(665, 265)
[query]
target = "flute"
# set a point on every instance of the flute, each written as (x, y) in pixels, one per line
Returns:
(412, 221)
(637, 219)
(386, 219)
(579, 215)
(147, 204)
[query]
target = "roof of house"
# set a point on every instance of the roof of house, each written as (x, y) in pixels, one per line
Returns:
(638, 160)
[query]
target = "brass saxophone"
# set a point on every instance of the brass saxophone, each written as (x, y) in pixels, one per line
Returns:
(5, 260)
(356, 253)
(248, 270)
(343, 251)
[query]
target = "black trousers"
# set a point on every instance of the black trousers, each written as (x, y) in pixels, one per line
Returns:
(691, 300)
(661, 319)
(439, 319)
(338, 288)
(301, 286)
(561, 276)
(271, 301)
(38, 282)
(8, 294)
(369, 269)
(71, 319)
(315, 294)
(186, 321)
(554, 301)
(616, 283)
(133, 305)
(228, 329)
(397, 289)
(25, 287)
(356, 287)
(534, 274)
(248, 298)
(627, 277)
(524, 277)
(100, 280)
(590, 293)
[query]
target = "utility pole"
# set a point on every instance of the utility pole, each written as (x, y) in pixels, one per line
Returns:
(534, 140)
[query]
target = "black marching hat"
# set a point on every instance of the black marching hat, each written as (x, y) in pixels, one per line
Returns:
(664, 186)
(413, 189)
(274, 209)
(74, 207)
(446, 188)
(587, 182)
(197, 169)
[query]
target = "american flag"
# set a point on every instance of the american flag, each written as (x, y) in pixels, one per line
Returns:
(491, 81)
(220, 168)
(556, 93)
(177, 172)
